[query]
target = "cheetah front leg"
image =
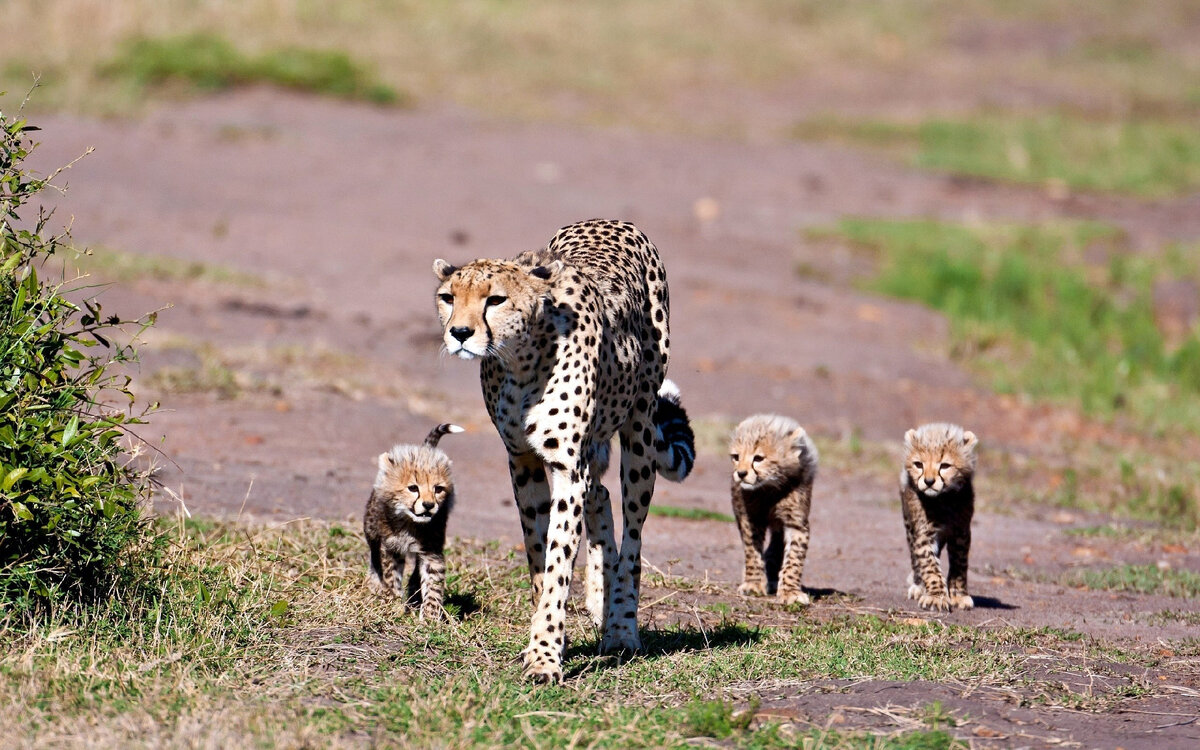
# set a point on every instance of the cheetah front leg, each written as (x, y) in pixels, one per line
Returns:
(795, 534)
(958, 547)
(930, 592)
(433, 585)
(547, 637)
(754, 575)
(637, 488)
(531, 490)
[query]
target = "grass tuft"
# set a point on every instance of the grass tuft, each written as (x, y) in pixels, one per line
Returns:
(211, 63)
(1140, 579)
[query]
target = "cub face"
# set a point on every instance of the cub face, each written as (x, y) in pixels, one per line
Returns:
(769, 451)
(488, 303)
(413, 489)
(939, 457)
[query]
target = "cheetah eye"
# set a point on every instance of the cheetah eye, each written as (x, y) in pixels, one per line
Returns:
(413, 488)
(757, 459)
(918, 465)
(496, 299)
(944, 466)
(447, 298)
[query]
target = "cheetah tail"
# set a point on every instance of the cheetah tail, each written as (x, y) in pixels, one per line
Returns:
(673, 439)
(436, 433)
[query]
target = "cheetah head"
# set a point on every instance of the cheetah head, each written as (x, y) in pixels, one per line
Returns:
(414, 481)
(487, 304)
(939, 457)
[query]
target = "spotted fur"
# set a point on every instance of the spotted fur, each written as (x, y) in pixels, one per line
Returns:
(938, 499)
(574, 345)
(405, 523)
(774, 467)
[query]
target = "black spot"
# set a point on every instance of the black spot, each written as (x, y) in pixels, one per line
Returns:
(551, 443)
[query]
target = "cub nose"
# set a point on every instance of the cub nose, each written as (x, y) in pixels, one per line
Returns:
(929, 481)
(741, 473)
(427, 506)
(462, 333)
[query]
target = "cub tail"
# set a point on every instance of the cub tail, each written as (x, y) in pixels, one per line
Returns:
(673, 438)
(437, 432)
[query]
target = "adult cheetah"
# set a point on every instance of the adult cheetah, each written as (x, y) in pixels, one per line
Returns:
(573, 342)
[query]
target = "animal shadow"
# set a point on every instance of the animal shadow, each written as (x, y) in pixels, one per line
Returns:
(460, 606)
(991, 602)
(663, 642)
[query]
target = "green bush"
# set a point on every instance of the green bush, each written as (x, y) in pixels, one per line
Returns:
(71, 521)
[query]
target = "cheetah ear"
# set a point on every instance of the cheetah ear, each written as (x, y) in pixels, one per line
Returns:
(548, 272)
(969, 440)
(385, 461)
(910, 437)
(442, 269)
(798, 436)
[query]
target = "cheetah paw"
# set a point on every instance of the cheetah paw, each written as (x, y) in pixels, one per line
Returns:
(753, 589)
(962, 601)
(621, 639)
(541, 668)
(915, 591)
(793, 597)
(940, 602)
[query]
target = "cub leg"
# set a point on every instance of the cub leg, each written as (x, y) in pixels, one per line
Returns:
(958, 547)
(795, 530)
(433, 584)
(754, 577)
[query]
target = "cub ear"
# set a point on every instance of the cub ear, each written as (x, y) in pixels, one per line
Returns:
(385, 461)
(910, 437)
(969, 440)
(798, 436)
(548, 272)
(442, 269)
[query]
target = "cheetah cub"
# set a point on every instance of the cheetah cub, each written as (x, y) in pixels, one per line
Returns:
(774, 465)
(938, 499)
(405, 521)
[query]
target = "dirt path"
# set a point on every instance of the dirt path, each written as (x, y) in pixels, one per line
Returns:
(340, 210)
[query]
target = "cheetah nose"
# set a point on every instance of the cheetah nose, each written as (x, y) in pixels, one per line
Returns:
(462, 333)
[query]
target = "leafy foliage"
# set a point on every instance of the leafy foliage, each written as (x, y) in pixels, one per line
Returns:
(70, 513)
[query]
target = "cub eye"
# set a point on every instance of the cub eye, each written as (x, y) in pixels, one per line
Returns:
(439, 489)
(496, 299)
(918, 465)
(447, 298)
(733, 456)
(944, 466)
(757, 459)
(413, 488)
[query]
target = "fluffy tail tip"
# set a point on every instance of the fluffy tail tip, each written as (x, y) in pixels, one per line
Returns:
(454, 428)
(669, 391)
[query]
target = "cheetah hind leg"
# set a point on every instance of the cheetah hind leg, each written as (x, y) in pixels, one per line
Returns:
(601, 552)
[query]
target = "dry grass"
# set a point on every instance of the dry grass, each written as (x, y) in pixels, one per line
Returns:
(670, 65)
(265, 635)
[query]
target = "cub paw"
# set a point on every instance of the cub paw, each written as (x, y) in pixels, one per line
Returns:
(962, 601)
(793, 597)
(433, 612)
(915, 591)
(753, 588)
(940, 602)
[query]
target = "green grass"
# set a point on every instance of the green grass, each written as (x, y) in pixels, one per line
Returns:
(271, 629)
(1139, 579)
(691, 514)
(210, 63)
(1151, 158)
(1061, 311)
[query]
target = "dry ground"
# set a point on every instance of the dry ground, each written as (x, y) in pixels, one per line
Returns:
(282, 382)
